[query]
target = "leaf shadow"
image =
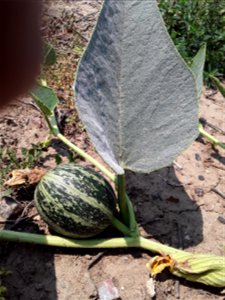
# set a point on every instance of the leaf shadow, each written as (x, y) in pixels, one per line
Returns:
(32, 267)
(219, 157)
(164, 209)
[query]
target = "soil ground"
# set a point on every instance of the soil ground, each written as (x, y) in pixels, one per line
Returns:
(181, 205)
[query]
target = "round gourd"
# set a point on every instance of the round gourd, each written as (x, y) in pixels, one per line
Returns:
(75, 201)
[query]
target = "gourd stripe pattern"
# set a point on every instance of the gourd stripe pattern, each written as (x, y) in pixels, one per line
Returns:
(75, 201)
(69, 189)
(60, 204)
(69, 228)
(85, 179)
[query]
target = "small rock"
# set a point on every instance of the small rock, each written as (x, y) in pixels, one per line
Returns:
(87, 256)
(108, 291)
(199, 192)
(200, 177)
(150, 288)
(221, 219)
(197, 157)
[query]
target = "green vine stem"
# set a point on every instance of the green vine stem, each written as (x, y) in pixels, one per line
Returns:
(132, 222)
(122, 200)
(54, 128)
(207, 269)
(209, 137)
(57, 241)
(121, 227)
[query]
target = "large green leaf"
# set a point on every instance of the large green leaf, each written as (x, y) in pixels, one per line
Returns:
(197, 68)
(135, 95)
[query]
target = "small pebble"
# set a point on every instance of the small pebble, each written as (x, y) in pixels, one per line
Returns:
(197, 157)
(221, 219)
(108, 291)
(150, 288)
(200, 177)
(199, 192)
(87, 256)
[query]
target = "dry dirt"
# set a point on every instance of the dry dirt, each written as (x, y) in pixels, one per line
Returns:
(181, 205)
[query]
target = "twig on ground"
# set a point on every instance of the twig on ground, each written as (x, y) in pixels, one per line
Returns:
(21, 217)
(95, 260)
(218, 193)
(214, 127)
(29, 104)
(218, 167)
(81, 35)
(210, 96)
(178, 166)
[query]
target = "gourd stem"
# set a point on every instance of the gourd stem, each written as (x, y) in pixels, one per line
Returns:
(57, 241)
(121, 227)
(132, 220)
(55, 130)
(86, 156)
(209, 137)
(122, 201)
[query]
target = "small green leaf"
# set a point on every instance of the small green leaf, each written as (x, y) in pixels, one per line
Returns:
(49, 55)
(197, 68)
(218, 84)
(24, 151)
(45, 98)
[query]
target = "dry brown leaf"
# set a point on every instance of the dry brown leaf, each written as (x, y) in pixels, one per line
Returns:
(24, 176)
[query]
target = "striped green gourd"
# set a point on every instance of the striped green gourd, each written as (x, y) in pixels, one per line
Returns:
(75, 201)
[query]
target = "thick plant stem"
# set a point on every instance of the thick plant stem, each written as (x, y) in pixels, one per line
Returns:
(209, 137)
(121, 227)
(56, 241)
(121, 190)
(86, 156)
(55, 130)
(132, 220)
(207, 269)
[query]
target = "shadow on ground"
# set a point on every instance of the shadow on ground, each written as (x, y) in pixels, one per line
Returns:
(164, 209)
(32, 269)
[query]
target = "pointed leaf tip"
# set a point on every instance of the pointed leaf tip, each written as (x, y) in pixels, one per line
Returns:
(197, 68)
(135, 94)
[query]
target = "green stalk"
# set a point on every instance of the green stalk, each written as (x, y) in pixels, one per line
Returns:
(207, 269)
(132, 219)
(54, 128)
(122, 200)
(86, 156)
(209, 137)
(121, 227)
(57, 241)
